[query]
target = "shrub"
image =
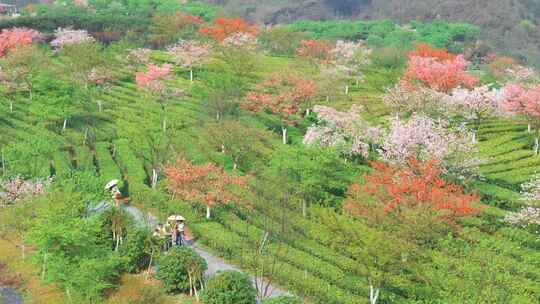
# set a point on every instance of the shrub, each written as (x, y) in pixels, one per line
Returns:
(229, 287)
(175, 268)
(150, 295)
(136, 250)
(389, 58)
(283, 300)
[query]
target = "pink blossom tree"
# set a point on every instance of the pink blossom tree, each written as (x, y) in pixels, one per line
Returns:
(64, 36)
(152, 81)
(519, 100)
(425, 139)
(440, 75)
(189, 54)
(15, 189)
(241, 40)
(348, 57)
(137, 57)
(475, 105)
(405, 101)
(343, 130)
(17, 37)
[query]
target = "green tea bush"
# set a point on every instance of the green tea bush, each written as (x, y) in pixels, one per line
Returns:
(389, 58)
(283, 300)
(137, 249)
(229, 287)
(174, 267)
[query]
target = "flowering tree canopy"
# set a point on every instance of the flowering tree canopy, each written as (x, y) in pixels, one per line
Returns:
(476, 103)
(64, 36)
(439, 75)
(15, 189)
(244, 40)
(425, 50)
(225, 27)
(315, 50)
(152, 79)
(207, 184)
(137, 57)
(189, 54)
(343, 130)
(528, 216)
(424, 138)
(418, 185)
(17, 37)
(282, 95)
(423, 100)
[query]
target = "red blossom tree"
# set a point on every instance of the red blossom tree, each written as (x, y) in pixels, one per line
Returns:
(207, 184)
(17, 37)
(281, 95)
(439, 75)
(416, 186)
(315, 50)
(225, 27)
(427, 51)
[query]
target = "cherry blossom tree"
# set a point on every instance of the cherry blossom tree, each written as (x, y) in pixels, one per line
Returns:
(15, 189)
(137, 57)
(424, 138)
(406, 101)
(241, 40)
(65, 36)
(476, 104)
(519, 100)
(17, 37)
(189, 54)
(343, 130)
(527, 217)
(348, 57)
(281, 95)
(207, 184)
(439, 75)
(153, 80)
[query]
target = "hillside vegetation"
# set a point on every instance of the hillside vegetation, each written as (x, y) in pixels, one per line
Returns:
(343, 161)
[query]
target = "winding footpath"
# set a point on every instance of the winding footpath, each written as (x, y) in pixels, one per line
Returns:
(10, 296)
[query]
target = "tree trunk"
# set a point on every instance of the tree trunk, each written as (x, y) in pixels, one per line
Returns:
(327, 98)
(284, 135)
(149, 264)
(154, 178)
(535, 146)
(190, 284)
(235, 165)
(308, 111)
(44, 268)
(207, 212)
(218, 116)
(529, 128)
(474, 137)
(64, 125)
(3, 164)
(99, 105)
(164, 124)
(11, 107)
(191, 75)
(347, 90)
(85, 136)
(304, 208)
(373, 294)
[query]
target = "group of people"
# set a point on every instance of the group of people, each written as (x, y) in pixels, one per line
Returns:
(171, 233)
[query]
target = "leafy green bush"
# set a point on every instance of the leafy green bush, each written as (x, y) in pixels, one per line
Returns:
(229, 287)
(283, 300)
(174, 268)
(137, 249)
(389, 58)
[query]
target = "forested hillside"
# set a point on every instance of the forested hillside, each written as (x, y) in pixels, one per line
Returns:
(509, 26)
(145, 145)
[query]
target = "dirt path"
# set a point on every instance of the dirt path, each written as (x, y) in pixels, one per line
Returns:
(10, 296)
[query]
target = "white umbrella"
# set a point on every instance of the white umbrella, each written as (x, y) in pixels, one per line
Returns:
(180, 218)
(111, 184)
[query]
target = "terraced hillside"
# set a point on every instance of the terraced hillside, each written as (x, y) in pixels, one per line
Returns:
(114, 144)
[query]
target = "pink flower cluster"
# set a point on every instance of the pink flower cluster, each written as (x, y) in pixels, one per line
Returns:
(138, 56)
(422, 100)
(520, 73)
(189, 54)
(16, 189)
(439, 75)
(522, 101)
(474, 103)
(425, 139)
(16, 37)
(525, 217)
(244, 40)
(343, 130)
(64, 36)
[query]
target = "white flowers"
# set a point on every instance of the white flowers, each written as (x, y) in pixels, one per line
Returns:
(64, 36)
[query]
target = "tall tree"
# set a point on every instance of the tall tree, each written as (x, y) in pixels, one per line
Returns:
(204, 184)
(189, 54)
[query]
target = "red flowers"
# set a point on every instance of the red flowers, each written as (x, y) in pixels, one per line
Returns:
(437, 69)
(315, 50)
(419, 185)
(17, 37)
(225, 27)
